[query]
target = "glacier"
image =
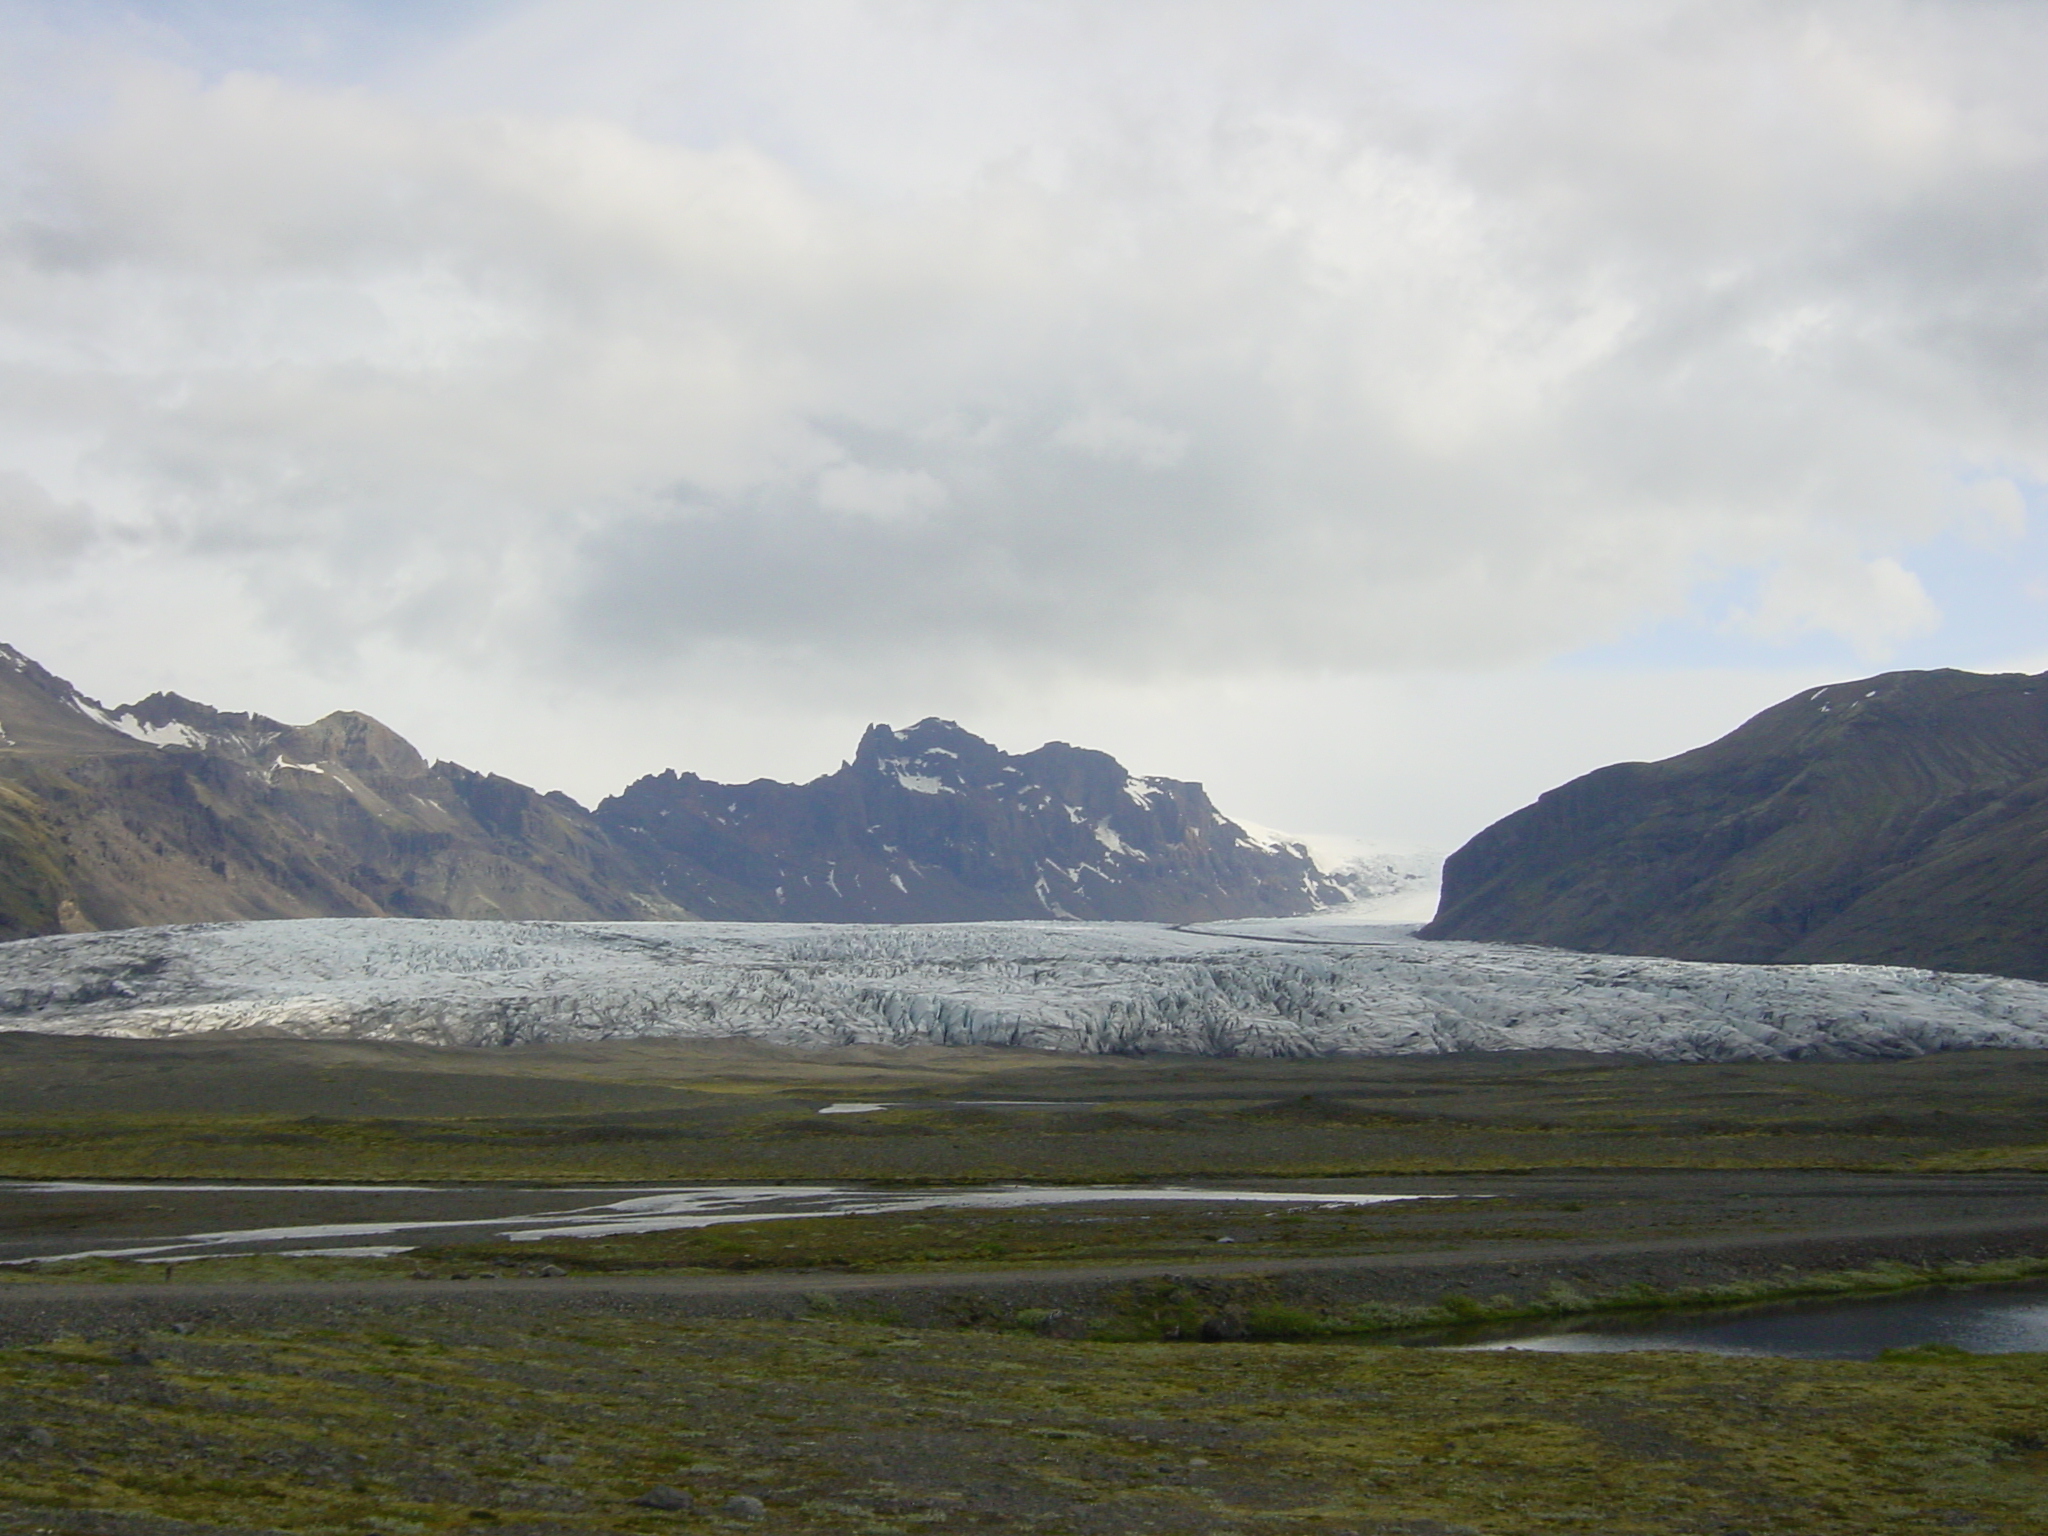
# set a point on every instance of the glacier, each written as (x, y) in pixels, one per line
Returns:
(1323, 985)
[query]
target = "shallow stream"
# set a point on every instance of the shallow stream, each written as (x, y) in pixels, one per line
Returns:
(424, 1214)
(1984, 1320)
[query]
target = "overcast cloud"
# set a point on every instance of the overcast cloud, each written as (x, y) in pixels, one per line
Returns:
(593, 387)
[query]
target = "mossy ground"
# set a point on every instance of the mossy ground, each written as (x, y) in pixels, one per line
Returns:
(904, 1147)
(427, 1424)
(545, 1420)
(1152, 1118)
(1181, 1307)
(1017, 1239)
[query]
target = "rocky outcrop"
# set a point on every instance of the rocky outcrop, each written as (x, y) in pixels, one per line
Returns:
(1901, 819)
(933, 824)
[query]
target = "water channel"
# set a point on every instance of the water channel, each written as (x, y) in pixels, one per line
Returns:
(1983, 1320)
(159, 1218)
(173, 1222)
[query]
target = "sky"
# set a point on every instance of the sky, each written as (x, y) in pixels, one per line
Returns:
(1380, 412)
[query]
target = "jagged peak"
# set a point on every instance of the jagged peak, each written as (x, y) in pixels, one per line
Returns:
(161, 712)
(930, 734)
(46, 712)
(931, 757)
(354, 740)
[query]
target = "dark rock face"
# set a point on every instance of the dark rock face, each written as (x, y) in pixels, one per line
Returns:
(169, 811)
(1902, 820)
(933, 824)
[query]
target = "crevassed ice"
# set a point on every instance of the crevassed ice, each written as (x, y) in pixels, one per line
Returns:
(1335, 986)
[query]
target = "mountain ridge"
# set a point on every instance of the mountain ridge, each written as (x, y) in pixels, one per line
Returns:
(1899, 819)
(933, 824)
(169, 810)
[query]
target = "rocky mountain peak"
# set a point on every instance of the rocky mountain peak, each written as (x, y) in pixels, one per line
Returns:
(172, 720)
(40, 711)
(354, 741)
(933, 824)
(931, 757)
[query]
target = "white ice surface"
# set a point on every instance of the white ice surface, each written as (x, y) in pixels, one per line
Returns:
(1317, 985)
(1409, 906)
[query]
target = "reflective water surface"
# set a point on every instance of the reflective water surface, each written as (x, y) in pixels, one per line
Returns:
(1985, 1320)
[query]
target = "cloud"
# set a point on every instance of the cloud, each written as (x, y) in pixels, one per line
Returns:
(887, 494)
(35, 531)
(1106, 435)
(1873, 604)
(620, 336)
(1996, 511)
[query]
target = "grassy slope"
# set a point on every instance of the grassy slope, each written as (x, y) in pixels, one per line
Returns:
(33, 884)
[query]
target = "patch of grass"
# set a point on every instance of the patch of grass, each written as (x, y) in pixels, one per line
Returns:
(1153, 1118)
(253, 1267)
(1170, 1308)
(902, 1150)
(1014, 1239)
(2022, 1159)
(423, 1425)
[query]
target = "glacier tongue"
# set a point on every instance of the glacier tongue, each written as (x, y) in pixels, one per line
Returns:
(1264, 988)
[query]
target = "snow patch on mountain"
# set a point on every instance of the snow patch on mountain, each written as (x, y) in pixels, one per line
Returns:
(1142, 792)
(173, 734)
(1106, 835)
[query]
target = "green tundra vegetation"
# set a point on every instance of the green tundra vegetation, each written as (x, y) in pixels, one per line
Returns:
(433, 1422)
(557, 1408)
(634, 1111)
